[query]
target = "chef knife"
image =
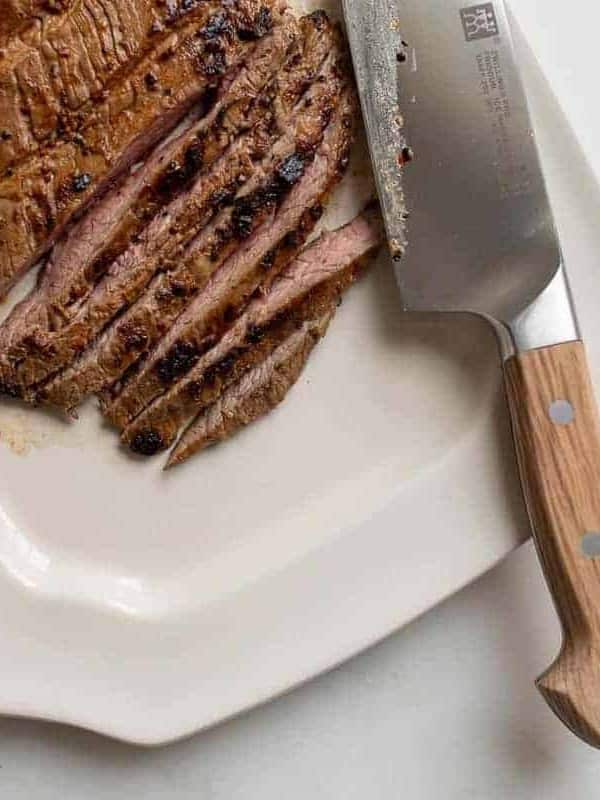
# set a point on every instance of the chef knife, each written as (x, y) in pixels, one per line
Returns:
(470, 230)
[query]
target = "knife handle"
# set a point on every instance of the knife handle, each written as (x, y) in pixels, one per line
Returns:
(557, 435)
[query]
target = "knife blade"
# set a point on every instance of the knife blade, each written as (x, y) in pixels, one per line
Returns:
(470, 229)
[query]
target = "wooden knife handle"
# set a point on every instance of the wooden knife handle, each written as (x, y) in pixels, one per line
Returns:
(557, 434)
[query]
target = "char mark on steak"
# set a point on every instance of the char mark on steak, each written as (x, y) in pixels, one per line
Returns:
(141, 327)
(42, 194)
(79, 260)
(306, 289)
(53, 78)
(259, 391)
(217, 305)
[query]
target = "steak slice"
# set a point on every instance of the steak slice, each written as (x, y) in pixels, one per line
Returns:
(308, 287)
(259, 391)
(80, 258)
(139, 328)
(53, 74)
(207, 316)
(40, 196)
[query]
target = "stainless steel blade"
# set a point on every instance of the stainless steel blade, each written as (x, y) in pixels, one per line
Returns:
(440, 89)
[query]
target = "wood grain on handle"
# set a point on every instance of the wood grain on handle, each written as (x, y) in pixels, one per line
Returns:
(557, 435)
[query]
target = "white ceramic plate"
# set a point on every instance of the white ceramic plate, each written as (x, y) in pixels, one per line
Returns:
(148, 605)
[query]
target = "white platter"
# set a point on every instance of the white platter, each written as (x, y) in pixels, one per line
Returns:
(147, 605)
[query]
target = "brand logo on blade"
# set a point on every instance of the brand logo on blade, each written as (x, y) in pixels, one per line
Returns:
(479, 22)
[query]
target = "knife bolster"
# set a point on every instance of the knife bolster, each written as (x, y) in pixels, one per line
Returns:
(551, 319)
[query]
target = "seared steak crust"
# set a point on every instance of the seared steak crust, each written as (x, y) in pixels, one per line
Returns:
(309, 287)
(18, 15)
(39, 196)
(72, 55)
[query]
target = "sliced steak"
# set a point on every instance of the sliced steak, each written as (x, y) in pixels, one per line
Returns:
(208, 315)
(137, 330)
(52, 76)
(259, 391)
(160, 244)
(170, 169)
(83, 255)
(307, 288)
(161, 249)
(40, 197)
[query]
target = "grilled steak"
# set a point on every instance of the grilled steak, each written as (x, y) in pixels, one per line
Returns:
(39, 196)
(79, 260)
(17, 15)
(205, 319)
(163, 241)
(151, 316)
(52, 77)
(257, 393)
(307, 288)
(160, 248)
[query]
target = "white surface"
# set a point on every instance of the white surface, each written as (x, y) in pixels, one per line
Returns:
(565, 39)
(577, 206)
(444, 710)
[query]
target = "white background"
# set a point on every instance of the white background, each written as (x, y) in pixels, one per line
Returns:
(444, 709)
